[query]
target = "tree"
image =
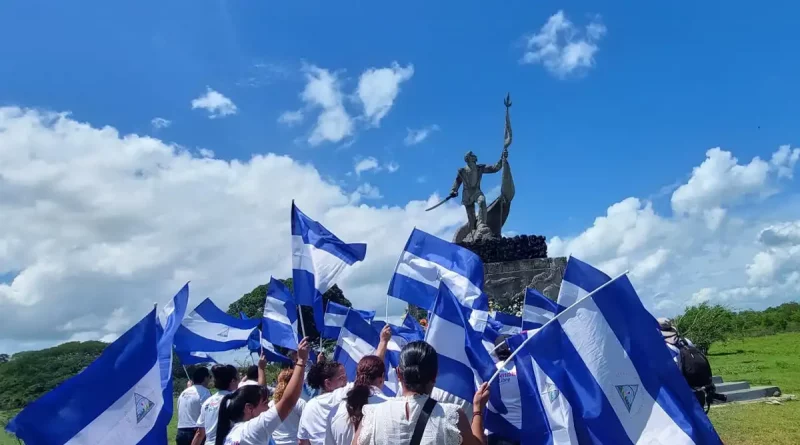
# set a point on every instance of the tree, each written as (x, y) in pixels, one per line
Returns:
(4, 358)
(705, 325)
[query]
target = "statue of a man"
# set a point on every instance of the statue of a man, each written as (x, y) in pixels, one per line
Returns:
(471, 176)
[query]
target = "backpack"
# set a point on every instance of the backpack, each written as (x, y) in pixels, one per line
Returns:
(697, 371)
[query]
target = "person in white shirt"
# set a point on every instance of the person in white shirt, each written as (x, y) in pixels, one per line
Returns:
(393, 422)
(672, 338)
(189, 404)
(330, 378)
(245, 417)
(225, 380)
(345, 417)
(286, 433)
(250, 377)
(505, 432)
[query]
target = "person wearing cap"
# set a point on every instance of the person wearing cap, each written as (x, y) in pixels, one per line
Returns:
(498, 433)
(671, 337)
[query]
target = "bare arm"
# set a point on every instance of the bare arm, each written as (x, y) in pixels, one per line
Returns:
(304, 442)
(262, 366)
(386, 335)
(473, 433)
(295, 386)
(199, 437)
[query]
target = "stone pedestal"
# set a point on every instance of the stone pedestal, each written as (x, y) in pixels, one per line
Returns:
(505, 282)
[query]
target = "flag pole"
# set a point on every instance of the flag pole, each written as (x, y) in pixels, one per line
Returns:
(187, 373)
(514, 353)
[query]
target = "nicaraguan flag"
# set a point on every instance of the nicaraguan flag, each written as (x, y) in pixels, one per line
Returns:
(318, 257)
(579, 280)
(462, 356)
(257, 343)
(279, 322)
(608, 361)
(356, 340)
(188, 358)
(170, 318)
(509, 324)
(428, 261)
(335, 315)
(412, 323)
(117, 399)
(209, 329)
(538, 309)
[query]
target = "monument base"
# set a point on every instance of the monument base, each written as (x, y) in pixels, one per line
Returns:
(505, 282)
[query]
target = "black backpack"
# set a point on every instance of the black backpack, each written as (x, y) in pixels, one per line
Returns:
(697, 371)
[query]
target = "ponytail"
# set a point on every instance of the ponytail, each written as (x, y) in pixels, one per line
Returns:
(231, 408)
(370, 368)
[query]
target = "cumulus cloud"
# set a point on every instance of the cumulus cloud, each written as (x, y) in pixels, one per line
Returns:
(291, 118)
(563, 48)
(366, 191)
(414, 137)
(215, 103)
(97, 226)
(366, 164)
(323, 92)
(696, 254)
(378, 88)
(159, 123)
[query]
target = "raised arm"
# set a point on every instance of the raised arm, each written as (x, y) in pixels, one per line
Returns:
(386, 335)
(473, 433)
(262, 367)
(496, 167)
(292, 392)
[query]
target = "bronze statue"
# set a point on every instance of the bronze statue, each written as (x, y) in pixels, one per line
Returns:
(488, 222)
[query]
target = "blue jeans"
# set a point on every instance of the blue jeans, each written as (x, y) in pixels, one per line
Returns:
(185, 436)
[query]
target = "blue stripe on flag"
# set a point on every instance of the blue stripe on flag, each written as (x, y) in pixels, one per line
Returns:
(279, 320)
(211, 313)
(315, 234)
(448, 255)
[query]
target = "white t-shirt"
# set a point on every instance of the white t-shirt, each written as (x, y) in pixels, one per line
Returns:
(509, 392)
(247, 382)
(286, 432)
(339, 430)
(314, 420)
(209, 414)
(255, 431)
(189, 404)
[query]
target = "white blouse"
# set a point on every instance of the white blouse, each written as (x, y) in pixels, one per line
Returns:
(386, 423)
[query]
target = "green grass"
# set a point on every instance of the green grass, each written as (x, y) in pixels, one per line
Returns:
(770, 360)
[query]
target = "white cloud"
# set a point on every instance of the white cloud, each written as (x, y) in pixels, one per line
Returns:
(562, 47)
(392, 167)
(160, 122)
(365, 191)
(323, 91)
(414, 137)
(97, 226)
(366, 164)
(698, 254)
(291, 118)
(784, 160)
(215, 103)
(379, 87)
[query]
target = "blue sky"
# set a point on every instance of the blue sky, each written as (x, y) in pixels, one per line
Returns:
(649, 91)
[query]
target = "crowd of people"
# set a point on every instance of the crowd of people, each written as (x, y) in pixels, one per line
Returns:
(314, 404)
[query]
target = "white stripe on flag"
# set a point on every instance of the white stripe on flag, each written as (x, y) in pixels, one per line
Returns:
(535, 314)
(599, 348)
(570, 293)
(429, 273)
(324, 266)
(334, 320)
(119, 424)
(276, 310)
(214, 331)
(354, 345)
(448, 339)
(556, 409)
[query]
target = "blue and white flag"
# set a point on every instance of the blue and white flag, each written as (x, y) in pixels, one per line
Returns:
(209, 329)
(243, 316)
(170, 318)
(579, 280)
(356, 340)
(412, 323)
(335, 315)
(117, 399)
(409, 332)
(508, 324)
(538, 309)
(257, 343)
(610, 364)
(318, 257)
(462, 356)
(428, 261)
(188, 358)
(279, 322)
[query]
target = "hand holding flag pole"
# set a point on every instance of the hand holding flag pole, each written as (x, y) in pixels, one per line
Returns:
(514, 353)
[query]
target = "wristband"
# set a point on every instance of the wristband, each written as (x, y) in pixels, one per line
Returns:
(477, 413)
(303, 365)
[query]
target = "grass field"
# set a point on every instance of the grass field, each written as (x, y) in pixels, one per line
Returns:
(772, 360)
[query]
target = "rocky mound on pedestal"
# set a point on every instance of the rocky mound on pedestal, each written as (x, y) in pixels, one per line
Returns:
(520, 247)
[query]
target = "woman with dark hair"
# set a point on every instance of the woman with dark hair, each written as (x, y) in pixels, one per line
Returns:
(330, 378)
(394, 421)
(244, 415)
(345, 417)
